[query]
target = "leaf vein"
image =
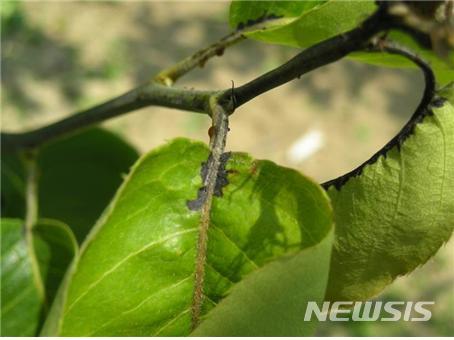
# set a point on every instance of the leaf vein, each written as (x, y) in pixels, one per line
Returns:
(141, 303)
(124, 260)
(236, 245)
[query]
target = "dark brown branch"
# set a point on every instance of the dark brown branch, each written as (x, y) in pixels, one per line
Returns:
(421, 111)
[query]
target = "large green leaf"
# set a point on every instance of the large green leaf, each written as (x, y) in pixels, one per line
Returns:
(397, 214)
(301, 25)
(272, 301)
(135, 275)
(78, 176)
(31, 269)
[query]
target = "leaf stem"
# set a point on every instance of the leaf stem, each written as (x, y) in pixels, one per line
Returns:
(31, 196)
(31, 217)
(217, 145)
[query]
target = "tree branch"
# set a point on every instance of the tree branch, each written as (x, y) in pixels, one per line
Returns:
(421, 111)
(318, 55)
(142, 96)
(153, 93)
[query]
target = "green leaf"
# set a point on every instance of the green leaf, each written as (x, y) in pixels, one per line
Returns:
(55, 247)
(301, 25)
(135, 275)
(447, 92)
(31, 269)
(241, 11)
(78, 177)
(443, 71)
(397, 213)
(22, 298)
(272, 301)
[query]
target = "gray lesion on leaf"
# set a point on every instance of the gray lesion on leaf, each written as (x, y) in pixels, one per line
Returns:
(221, 181)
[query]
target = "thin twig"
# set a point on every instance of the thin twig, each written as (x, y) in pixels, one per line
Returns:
(421, 111)
(170, 75)
(217, 145)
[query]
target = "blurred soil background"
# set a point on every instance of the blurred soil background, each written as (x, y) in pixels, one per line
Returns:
(60, 57)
